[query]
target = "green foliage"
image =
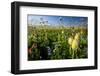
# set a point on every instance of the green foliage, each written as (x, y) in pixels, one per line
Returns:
(57, 40)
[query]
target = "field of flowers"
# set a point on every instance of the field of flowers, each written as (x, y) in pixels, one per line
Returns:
(50, 43)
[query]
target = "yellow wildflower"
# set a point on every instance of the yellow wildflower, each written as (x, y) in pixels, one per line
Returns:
(62, 32)
(70, 40)
(75, 44)
(77, 36)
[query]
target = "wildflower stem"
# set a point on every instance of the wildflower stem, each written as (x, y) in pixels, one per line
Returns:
(72, 54)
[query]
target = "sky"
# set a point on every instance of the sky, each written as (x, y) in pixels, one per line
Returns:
(57, 20)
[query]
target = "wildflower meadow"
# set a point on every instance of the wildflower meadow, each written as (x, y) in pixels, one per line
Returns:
(66, 39)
